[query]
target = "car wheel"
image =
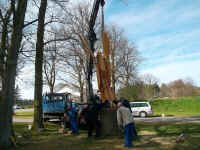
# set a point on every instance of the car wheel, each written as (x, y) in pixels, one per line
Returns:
(143, 114)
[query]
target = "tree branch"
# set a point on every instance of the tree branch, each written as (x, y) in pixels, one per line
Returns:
(30, 23)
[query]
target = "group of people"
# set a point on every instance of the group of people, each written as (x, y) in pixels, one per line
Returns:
(91, 116)
(90, 113)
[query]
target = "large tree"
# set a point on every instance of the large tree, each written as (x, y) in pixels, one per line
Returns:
(18, 10)
(51, 64)
(38, 122)
(124, 58)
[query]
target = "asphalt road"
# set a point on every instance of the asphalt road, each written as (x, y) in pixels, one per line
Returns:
(137, 119)
(24, 110)
(168, 119)
(27, 120)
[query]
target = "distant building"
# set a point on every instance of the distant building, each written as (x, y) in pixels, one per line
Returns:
(67, 88)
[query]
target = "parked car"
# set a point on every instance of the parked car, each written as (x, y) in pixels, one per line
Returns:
(142, 109)
(16, 107)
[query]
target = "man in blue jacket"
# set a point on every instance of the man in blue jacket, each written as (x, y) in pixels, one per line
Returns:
(71, 111)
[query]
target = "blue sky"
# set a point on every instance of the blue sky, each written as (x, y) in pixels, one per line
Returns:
(166, 33)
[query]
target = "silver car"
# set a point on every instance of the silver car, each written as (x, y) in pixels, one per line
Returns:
(142, 109)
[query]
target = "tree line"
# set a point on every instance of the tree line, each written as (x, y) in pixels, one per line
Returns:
(147, 87)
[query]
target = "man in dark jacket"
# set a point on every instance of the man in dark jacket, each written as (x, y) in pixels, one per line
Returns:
(92, 115)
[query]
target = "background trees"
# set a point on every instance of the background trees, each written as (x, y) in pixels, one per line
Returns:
(148, 88)
(179, 88)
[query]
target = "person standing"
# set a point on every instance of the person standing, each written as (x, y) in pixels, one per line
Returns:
(66, 115)
(125, 120)
(71, 112)
(127, 105)
(92, 116)
(73, 118)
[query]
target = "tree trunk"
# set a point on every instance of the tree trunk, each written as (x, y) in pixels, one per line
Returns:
(38, 121)
(109, 125)
(89, 79)
(6, 102)
(81, 84)
(113, 79)
(51, 87)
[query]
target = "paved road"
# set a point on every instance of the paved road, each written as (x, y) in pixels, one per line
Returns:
(168, 119)
(137, 119)
(28, 120)
(148, 120)
(24, 110)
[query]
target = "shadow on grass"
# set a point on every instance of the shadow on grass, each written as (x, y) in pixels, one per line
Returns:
(176, 129)
(163, 138)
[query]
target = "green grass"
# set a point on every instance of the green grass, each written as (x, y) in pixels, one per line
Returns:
(28, 114)
(27, 106)
(188, 106)
(151, 137)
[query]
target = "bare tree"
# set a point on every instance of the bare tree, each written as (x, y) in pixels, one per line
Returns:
(129, 62)
(150, 85)
(116, 36)
(50, 64)
(18, 11)
(76, 61)
(124, 57)
(77, 23)
(165, 90)
(38, 122)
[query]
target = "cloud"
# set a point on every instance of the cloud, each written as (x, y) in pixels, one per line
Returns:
(151, 17)
(166, 34)
(179, 38)
(173, 71)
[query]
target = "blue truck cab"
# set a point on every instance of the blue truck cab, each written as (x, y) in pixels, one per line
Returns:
(53, 105)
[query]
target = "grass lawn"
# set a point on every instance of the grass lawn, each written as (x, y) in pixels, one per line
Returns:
(151, 137)
(27, 106)
(27, 114)
(187, 106)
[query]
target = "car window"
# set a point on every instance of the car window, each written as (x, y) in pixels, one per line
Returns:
(143, 105)
(139, 105)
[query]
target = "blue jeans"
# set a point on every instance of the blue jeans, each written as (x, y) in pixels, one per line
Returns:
(73, 124)
(128, 131)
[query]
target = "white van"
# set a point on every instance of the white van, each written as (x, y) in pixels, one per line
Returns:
(16, 107)
(142, 109)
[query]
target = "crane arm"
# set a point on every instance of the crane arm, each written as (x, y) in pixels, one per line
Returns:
(95, 9)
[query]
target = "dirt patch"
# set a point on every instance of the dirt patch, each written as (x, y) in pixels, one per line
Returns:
(164, 140)
(147, 133)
